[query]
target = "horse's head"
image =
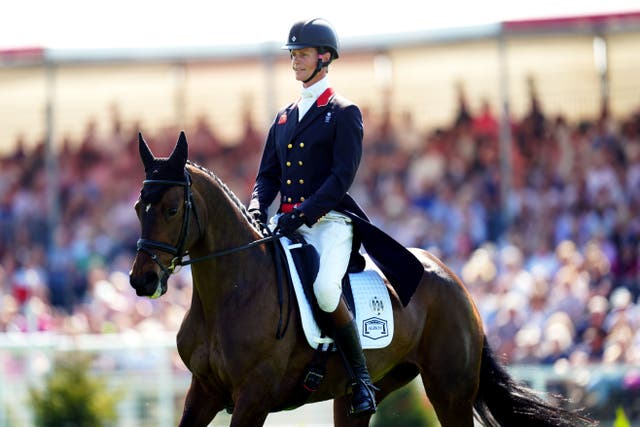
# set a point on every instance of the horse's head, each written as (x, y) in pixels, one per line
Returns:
(165, 210)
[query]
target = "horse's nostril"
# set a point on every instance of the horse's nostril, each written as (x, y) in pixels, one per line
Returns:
(144, 284)
(150, 279)
(133, 280)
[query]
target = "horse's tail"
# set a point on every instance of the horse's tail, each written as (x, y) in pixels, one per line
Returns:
(501, 401)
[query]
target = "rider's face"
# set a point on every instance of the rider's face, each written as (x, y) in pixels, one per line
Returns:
(304, 62)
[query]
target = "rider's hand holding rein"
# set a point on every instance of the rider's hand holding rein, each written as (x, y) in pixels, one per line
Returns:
(290, 222)
(259, 215)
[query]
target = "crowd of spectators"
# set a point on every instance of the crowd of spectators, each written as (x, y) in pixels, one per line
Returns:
(554, 268)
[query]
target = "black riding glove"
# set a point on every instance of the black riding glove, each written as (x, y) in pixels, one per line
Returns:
(259, 215)
(290, 222)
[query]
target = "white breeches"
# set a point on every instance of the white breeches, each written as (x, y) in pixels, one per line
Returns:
(332, 237)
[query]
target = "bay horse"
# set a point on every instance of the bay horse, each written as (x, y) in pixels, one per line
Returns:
(227, 336)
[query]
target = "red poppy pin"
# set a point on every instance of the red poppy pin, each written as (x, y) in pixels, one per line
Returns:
(283, 119)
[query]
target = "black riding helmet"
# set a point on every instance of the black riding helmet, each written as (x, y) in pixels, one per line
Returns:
(316, 33)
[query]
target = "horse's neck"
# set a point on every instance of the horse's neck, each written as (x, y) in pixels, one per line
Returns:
(226, 227)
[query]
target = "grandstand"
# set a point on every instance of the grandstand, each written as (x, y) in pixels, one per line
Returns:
(411, 72)
(552, 259)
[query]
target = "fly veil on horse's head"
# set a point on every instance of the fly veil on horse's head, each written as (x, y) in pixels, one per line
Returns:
(160, 168)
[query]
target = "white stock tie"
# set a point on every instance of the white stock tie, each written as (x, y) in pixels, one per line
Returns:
(305, 103)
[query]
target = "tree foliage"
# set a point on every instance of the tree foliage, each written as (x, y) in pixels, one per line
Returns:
(72, 397)
(405, 407)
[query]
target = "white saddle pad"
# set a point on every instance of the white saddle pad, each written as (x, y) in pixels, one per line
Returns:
(374, 314)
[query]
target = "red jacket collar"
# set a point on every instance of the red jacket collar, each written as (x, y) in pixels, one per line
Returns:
(325, 97)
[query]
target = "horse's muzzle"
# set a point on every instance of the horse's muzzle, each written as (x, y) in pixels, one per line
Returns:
(148, 284)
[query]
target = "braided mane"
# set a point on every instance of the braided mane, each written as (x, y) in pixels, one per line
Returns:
(230, 194)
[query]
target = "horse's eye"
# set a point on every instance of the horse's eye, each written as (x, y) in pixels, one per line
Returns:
(172, 211)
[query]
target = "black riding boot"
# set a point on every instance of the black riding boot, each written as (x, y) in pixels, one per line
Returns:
(347, 338)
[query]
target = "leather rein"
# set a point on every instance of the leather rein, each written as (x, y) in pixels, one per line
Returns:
(181, 256)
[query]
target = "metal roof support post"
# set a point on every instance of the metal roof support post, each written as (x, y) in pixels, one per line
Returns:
(269, 63)
(505, 130)
(601, 62)
(51, 158)
(179, 81)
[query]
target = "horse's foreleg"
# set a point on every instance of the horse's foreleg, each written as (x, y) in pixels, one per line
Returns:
(250, 409)
(200, 406)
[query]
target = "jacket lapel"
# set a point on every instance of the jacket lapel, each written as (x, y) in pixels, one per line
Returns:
(291, 122)
(316, 110)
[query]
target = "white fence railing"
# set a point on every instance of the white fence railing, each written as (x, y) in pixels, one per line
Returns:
(141, 368)
(147, 374)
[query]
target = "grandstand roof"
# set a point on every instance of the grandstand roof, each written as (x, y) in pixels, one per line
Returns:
(597, 23)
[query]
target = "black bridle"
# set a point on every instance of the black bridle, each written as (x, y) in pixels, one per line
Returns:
(178, 251)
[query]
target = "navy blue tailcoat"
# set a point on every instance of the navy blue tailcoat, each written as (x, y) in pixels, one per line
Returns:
(312, 164)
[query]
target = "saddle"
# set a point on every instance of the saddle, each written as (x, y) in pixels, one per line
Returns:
(307, 263)
(370, 305)
(365, 293)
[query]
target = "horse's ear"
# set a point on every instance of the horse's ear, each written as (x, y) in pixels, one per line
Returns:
(145, 153)
(180, 153)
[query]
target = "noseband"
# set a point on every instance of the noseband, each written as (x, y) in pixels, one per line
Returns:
(178, 251)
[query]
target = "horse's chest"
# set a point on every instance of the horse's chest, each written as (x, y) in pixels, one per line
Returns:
(193, 347)
(200, 352)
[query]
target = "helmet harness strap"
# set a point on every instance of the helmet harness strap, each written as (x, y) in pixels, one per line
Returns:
(319, 66)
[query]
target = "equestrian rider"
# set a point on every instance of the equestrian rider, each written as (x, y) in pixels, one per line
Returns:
(311, 157)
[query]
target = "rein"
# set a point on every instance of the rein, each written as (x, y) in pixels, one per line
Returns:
(148, 245)
(226, 251)
(178, 251)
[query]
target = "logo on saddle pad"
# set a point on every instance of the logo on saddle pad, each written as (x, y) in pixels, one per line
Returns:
(375, 328)
(376, 305)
